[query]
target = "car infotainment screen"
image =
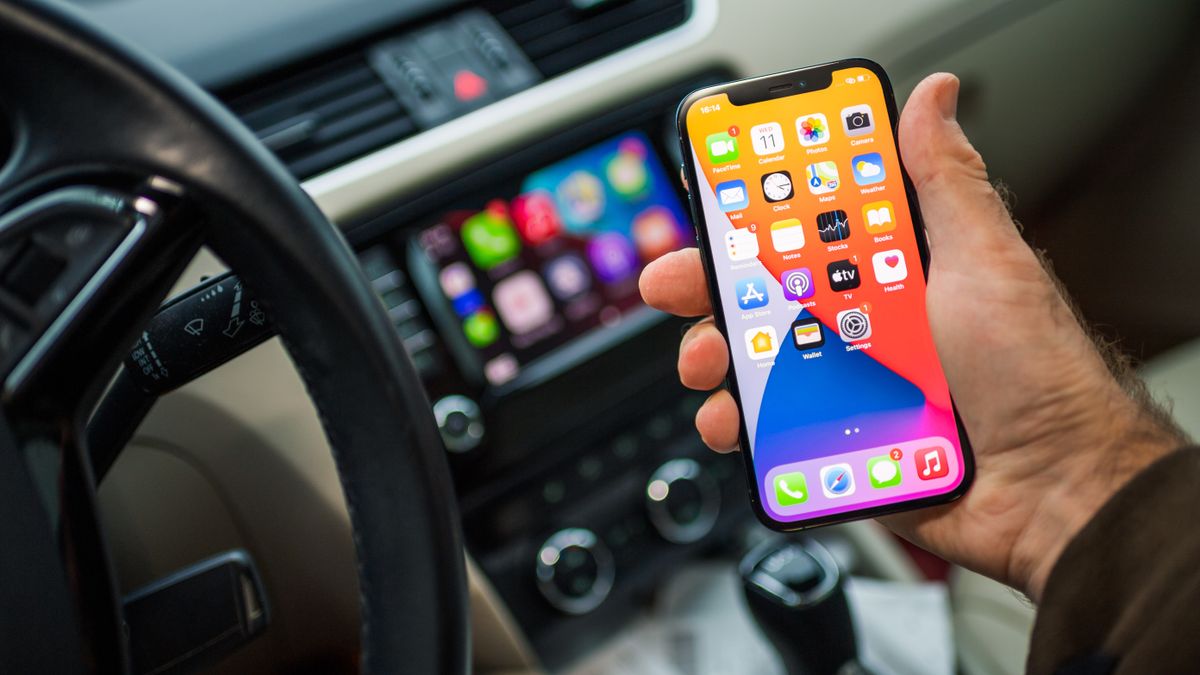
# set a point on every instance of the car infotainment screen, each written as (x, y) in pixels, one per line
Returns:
(553, 266)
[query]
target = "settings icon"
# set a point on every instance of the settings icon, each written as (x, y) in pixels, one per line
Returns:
(853, 325)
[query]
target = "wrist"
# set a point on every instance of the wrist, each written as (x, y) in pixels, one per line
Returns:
(1125, 438)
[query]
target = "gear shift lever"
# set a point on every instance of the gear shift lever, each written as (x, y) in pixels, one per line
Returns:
(795, 592)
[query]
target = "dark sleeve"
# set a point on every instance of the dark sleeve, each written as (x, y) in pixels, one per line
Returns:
(1125, 595)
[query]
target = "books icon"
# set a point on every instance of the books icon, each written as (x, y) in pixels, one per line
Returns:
(879, 217)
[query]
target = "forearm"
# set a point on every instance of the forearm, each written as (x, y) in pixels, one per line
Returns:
(1124, 592)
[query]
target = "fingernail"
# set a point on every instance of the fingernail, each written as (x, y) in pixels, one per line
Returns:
(948, 102)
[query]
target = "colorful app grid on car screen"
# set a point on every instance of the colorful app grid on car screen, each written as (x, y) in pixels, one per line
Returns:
(531, 271)
(842, 371)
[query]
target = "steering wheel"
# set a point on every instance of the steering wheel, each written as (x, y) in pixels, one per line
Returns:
(117, 170)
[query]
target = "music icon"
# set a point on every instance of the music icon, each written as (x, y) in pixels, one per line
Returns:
(931, 463)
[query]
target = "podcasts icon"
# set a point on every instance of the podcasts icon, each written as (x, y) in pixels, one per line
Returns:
(797, 284)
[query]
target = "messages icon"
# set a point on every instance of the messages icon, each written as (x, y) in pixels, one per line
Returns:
(884, 471)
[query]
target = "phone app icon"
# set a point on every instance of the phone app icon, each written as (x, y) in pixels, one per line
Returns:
(798, 284)
(762, 342)
(523, 303)
(822, 177)
(931, 463)
(732, 195)
(536, 217)
(843, 275)
(813, 129)
(853, 325)
(489, 237)
(751, 293)
(883, 471)
(807, 334)
(612, 257)
(868, 168)
(741, 244)
(858, 120)
(833, 226)
(481, 328)
(767, 138)
(722, 148)
(879, 217)
(889, 266)
(777, 186)
(568, 276)
(791, 489)
(837, 481)
(787, 235)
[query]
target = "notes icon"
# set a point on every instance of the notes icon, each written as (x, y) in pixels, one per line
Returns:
(931, 463)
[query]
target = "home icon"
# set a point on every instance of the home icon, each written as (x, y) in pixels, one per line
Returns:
(761, 342)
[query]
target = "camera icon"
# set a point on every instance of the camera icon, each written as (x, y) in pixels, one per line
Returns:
(858, 120)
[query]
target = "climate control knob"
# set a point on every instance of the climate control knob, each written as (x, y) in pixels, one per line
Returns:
(683, 501)
(460, 421)
(575, 570)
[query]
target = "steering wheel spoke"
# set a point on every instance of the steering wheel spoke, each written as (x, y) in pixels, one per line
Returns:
(80, 269)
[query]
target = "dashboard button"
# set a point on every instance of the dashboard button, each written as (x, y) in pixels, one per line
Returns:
(460, 421)
(683, 501)
(575, 571)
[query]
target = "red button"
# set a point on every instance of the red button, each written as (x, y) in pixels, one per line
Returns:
(469, 86)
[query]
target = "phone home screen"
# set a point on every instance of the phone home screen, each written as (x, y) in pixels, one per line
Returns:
(822, 291)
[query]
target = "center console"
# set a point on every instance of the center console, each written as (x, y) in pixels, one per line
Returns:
(581, 480)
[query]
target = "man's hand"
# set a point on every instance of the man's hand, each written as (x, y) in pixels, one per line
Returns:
(1054, 433)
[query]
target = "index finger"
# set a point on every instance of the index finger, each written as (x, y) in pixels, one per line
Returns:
(675, 283)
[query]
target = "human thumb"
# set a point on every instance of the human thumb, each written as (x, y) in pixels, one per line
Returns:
(961, 209)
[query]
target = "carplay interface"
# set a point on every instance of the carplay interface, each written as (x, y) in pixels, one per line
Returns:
(533, 271)
(823, 295)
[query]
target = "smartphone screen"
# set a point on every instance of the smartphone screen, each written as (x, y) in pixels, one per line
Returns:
(816, 260)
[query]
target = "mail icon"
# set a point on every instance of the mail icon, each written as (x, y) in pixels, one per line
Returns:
(732, 195)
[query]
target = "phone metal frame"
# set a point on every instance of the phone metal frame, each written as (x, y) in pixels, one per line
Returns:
(764, 88)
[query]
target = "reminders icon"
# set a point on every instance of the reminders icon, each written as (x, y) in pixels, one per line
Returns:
(741, 244)
(732, 195)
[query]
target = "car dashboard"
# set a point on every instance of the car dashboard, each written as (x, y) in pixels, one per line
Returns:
(504, 170)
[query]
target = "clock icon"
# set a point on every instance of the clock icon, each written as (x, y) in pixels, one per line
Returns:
(777, 186)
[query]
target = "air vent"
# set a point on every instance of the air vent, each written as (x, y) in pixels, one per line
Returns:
(558, 35)
(325, 116)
